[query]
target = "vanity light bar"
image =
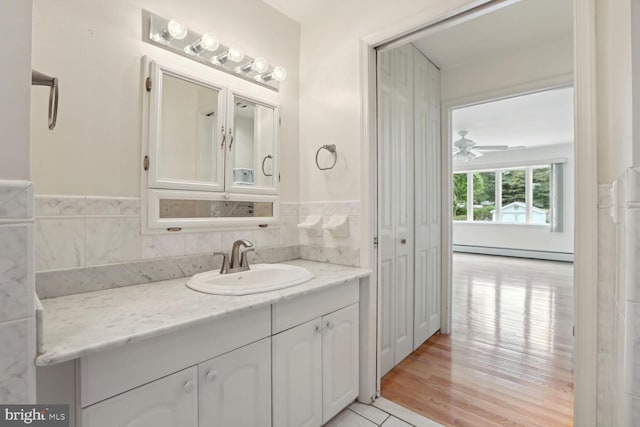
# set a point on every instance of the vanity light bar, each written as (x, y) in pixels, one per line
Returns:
(173, 35)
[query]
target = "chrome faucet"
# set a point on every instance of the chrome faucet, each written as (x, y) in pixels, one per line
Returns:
(235, 265)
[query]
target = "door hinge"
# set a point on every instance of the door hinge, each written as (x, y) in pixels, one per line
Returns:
(279, 121)
(574, 331)
(145, 163)
(148, 84)
(278, 176)
(375, 242)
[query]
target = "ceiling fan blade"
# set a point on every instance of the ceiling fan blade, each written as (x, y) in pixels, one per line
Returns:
(491, 147)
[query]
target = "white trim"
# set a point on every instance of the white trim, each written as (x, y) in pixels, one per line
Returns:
(508, 165)
(517, 253)
(586, 169)
(586, 223)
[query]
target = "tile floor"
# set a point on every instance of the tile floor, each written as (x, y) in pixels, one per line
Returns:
(361, 415)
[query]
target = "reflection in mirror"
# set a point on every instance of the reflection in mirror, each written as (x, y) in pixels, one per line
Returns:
(254, 130)
(176, 208)
(189, 119)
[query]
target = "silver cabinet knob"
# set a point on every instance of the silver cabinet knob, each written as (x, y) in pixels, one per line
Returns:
(330, 325)
(189, 386)
(318, 329)
(211, 375)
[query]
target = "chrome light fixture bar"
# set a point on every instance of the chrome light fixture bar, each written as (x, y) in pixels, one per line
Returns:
(174, 36)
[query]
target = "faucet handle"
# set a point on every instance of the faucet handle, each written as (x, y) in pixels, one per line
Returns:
(244, 261)
(225, 261)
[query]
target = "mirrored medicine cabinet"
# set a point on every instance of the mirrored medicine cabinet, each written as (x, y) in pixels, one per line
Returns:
(210, 154)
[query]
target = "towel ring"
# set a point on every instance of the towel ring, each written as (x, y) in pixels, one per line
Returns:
(269, 156)
(39, 79)
(332, 149)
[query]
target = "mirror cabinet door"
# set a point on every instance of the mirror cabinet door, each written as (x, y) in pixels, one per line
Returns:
(251, 158)
(188, 139)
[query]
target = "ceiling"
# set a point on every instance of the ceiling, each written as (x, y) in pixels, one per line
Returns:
(542, 118)
(296, 9)
(522, 24)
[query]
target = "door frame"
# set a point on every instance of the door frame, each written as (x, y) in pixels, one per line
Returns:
(586, 224)
(527, 88)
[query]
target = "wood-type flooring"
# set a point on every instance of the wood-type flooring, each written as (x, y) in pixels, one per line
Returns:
(509, 358)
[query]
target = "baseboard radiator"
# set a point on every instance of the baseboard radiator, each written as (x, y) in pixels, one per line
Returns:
(518, 253)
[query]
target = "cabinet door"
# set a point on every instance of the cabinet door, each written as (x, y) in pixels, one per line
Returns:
(235, 388)
(339, 360)
(297, 376)
(168, 402)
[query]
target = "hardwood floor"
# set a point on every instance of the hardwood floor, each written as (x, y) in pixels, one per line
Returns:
(509, 358)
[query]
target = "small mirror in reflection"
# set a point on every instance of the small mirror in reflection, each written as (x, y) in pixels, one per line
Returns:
(254, 144)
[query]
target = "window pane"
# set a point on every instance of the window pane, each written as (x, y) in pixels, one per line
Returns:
(514, 209)
(541, 196)
(459, 196)
(484, 196)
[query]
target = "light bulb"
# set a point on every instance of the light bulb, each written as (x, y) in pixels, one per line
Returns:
(207, 42)
(232, 54)
(175, 30)
(259, 65)
(278, 74)
(235, 54)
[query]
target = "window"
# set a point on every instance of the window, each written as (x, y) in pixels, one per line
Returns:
(530, 195)
(460, 196)
(484, 196)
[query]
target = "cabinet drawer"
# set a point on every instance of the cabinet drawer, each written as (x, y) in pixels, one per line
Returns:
(296, 311)
(108, 373)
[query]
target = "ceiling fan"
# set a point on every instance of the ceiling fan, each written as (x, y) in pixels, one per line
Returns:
(465, 149)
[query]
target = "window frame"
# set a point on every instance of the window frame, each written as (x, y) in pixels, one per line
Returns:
(555, 194)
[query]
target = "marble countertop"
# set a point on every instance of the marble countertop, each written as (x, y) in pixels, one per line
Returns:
(82, 324)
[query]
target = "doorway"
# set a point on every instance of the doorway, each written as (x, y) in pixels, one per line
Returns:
(460, 98)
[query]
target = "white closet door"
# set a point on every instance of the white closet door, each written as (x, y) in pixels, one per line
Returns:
(427, 198)
(403, 201)
(386, 212)
(395, 204)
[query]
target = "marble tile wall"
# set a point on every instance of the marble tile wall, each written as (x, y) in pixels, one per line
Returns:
(629, 290)
(73, 234)
(619, 302)
(17, 312)
(326, 247)
(81, 231)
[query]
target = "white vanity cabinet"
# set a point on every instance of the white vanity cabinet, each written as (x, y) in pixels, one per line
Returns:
(234, 389)
(168, 402)
(315, 364)
(290, 364)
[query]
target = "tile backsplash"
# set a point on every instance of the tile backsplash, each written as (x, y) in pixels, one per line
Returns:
(96, 243)
(82, 231)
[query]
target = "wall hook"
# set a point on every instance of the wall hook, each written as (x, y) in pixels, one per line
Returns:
(332, 149)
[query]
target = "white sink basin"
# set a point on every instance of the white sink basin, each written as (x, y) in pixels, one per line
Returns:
(260, 278)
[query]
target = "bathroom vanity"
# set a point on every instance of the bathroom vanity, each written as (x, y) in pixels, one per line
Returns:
(161, 354)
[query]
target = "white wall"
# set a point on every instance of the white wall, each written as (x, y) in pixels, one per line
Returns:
(95, 49)
(330, 85)
(523, 237)
(15, 87)
(614, 89)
